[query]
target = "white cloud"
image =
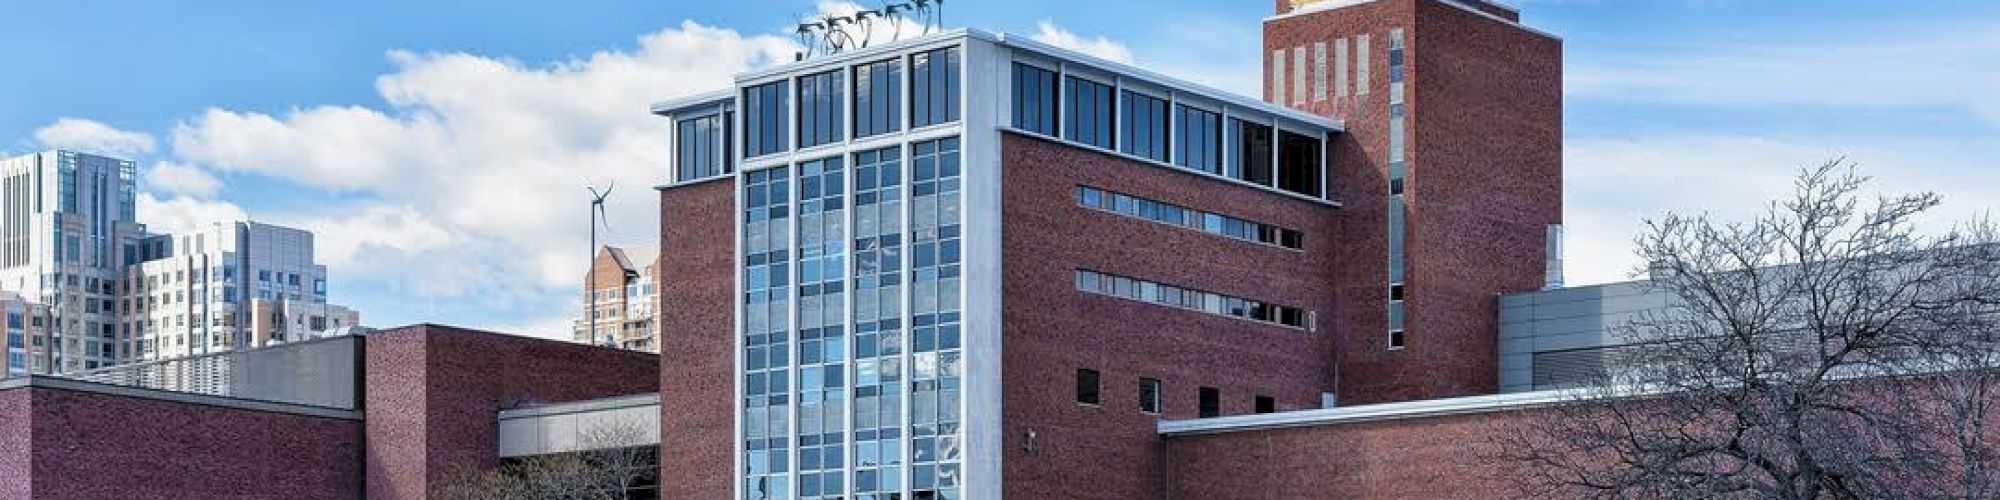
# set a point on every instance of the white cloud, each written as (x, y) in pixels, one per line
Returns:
(92, 137)
(1100, 47)
(1941, 67)
(1612, 184)
(177, 178)
(181, 214)
(467, 187)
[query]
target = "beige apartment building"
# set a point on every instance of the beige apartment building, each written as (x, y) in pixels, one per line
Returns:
(624, 311)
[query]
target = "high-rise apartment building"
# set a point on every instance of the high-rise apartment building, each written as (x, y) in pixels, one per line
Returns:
(27, 321)
(972, 265)
(72, 251)
(229, 286)
(67, 231)
(619, 306)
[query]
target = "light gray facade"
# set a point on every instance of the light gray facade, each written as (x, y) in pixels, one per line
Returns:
(1551, 338)
(67, 231)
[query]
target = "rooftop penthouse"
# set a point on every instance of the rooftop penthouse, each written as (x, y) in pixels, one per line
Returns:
(973, 84)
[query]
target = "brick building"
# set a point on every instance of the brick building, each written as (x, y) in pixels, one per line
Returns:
(973, 265)
(619, 302)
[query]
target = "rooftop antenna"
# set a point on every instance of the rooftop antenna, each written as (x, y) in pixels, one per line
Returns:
(890, 12)
(866, 20)
(836, 36)
(931, 14)
(806, 38)
(596, 214)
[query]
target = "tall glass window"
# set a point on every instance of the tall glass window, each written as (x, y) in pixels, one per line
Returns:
(1088, 109)
(1034, 99)
(764, 119)
(766, 335)
(700, 146)
(822, 336)
(1398, 205)
(937, 370)
(1145, 131)
(878, 323)
(1198, 139)
(820, 99)
(934, 87)
(1299, 163)
(1250, 153)
(878, 100)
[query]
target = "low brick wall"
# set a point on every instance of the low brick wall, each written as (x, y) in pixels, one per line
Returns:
(71, 440)
(434, 394)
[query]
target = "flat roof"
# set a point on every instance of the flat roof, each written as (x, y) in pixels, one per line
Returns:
(47, 382)
(1364, 413)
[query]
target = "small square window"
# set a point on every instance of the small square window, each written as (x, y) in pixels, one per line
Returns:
(1266, 405)
(1395, 339)
(1396, 291)
(1211, 402)
(1086, 386)
(1149, 395)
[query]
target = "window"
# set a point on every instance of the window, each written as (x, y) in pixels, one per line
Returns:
(1299, 163)
(764, 117)
(1250, 153)
(1145, 130)
(1266, 405)
(1198, 135)
(1086, 386)
(1319, 71)
(1211, 402)
(1149, 395)
(1176, 215)
(700, 147)
(878, 99)
(1034, 99)
(1195, 300)
(1089, 112)
(820, 99)
(1277, 91)
(1361, 65)
(934, 87)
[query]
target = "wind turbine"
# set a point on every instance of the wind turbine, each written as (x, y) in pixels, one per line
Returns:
(596, 214)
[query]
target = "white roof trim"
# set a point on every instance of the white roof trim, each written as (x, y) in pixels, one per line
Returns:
(668, 107)
(1336, 4)
(1170, 83)
(1364, 413)
(47, 382)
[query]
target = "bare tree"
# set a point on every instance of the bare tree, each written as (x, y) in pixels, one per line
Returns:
(610, 459)
(1802, 355)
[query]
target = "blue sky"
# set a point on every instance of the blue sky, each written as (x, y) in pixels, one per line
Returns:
(440, 148)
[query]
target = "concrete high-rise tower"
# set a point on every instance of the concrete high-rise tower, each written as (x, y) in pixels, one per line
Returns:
(67, 231)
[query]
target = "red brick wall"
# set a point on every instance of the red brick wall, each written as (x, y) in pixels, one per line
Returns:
(1486, 170)
(89, 445)
(435, 392)
(16, 443)
(697, 339)
(1437, 457)
(1484, 180)
(1050, 329)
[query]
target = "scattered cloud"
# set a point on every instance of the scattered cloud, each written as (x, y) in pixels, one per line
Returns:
(1100, 47)
(1942, 67)
(1612, 184)
(178, 178)
(184, 213)
(93, 137)
(468, 184)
